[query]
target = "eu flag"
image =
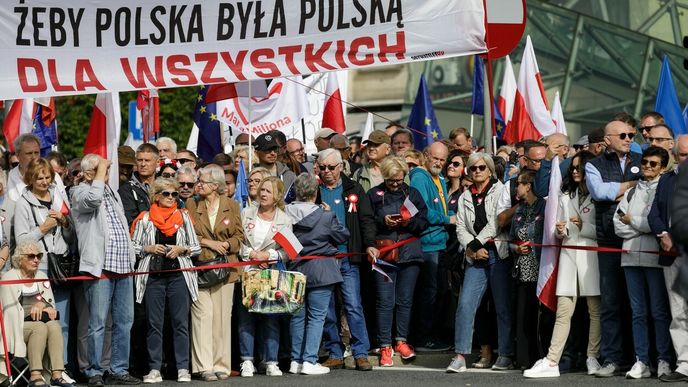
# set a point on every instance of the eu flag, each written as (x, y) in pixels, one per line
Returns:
(422, 120)
(209, 135)
(666, 103)
(45, 126)
(478, 105)
(241, 192)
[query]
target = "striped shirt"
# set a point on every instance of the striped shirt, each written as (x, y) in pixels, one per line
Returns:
(117, 245)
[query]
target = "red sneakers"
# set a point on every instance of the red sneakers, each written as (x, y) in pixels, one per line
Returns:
(405, 350)
(386, 354)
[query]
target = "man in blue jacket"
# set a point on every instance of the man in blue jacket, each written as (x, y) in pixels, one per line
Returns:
(432, 187)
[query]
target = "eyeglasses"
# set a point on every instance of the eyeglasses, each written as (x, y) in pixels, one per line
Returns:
(184, 161)
(652, 163)
(658, 139)
(536, 161)
(300, 150)
(455, 164)
(167, 194)
(644, 128)
(32, 257)
(328, 167)
(394, 181)
(168, 175)
(480, 168)
(187, 185)
(204, 182)
(622, 136)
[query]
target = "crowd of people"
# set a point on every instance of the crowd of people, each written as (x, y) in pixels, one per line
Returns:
(422, 250)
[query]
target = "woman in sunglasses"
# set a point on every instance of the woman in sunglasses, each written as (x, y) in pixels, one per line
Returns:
(256, 177)
(640, 263)
(487, 263)
(167, 169)
(164, 239)
(31, 322)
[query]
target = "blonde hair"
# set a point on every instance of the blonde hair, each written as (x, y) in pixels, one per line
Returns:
(277, 190)
(160, 184)
(22, 248)
(393, 165)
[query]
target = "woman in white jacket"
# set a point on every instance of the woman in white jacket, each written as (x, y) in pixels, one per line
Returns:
(578, 272)
(640, 263)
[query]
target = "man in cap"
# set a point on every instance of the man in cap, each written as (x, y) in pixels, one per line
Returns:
(322, 138)
(377, 148)
(268, 148)
(127, 159)
(596, 144)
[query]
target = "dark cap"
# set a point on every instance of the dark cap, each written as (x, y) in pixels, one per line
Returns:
(266, 142)
(596, 135)
(126, 155)
(378, 137)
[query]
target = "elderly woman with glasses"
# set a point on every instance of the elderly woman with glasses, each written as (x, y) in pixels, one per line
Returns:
(164, 239)
(31, 321)
(394, 300)
(253, 181)
(217, 222)
(642, 269)
(487, 263)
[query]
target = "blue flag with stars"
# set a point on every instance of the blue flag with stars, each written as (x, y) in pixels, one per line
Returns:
(45, 128)
(205, 118)
(478, 103)
(422, 120)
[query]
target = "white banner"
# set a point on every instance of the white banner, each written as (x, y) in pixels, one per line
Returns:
(63, 47)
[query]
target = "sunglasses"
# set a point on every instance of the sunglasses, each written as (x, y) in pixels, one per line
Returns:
(480, 168)
(394, 181)
(652, 163)
(187, 185)
(575, 169)
(184, 161)
(167, 175)
(167, 194)
(75, 173)
(658, 139)
(644, 128)
(32, 257)
(455, 164)
(328, 167)
(623, 136)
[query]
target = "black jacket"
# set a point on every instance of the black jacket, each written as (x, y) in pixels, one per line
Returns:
(360, 224)
(659, 215)
(134, 197)
(386, 202)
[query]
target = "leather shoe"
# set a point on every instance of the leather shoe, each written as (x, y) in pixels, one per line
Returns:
(362, 364)
(333, 364)
(674, 377)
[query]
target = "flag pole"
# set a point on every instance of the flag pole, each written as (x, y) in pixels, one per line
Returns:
(250, 129)
(472, 124)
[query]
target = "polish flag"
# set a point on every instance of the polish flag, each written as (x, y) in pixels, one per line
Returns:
(104, 131)
(333, 114)
(369, 126)
(291, 245)
(408, 209)
(148, 102)
(18, 120)
(222, 91)
(530, 119)
(60, 203)
(549, 257)
(558, 115)
(505, 102)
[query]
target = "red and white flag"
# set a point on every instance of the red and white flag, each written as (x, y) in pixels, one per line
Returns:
(408, 209)
(60, 203)
(369, 126)
(148, 103)
(505, 101)
(291, 245)
(18, 120)
(530, 119)
(333, 114)
(549, 257)
(222, 91)
(104, 131)
(558, 115)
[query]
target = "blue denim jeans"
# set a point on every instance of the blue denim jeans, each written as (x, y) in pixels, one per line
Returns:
(428, 295)
(101, 296)
(611, 290)
(636, 280)
(170, 291)
(397, 293)
(269, 330)
(353, 309)
(62, 305)
(497, 274)
(307, 325)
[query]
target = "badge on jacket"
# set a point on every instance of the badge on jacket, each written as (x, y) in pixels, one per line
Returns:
(635, 169)
(226, 222)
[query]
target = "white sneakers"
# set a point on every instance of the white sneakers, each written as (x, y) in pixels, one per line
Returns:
(638, 371)
(663, 368)
(247, 369)
(294, 367)
(152, 377)
(313, 369)
(183, 376)
(271, 369)
(543, 368)
(593, 365)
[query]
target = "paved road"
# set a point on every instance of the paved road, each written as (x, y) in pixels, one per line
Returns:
(405, 377)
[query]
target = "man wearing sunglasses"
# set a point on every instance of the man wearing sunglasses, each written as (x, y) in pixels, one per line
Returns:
(647, 122)
(348, 201)
(187, 158)
(186, 177)
(609, 176)
(268, 149)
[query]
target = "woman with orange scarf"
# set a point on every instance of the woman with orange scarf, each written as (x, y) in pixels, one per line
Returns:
(164, 239)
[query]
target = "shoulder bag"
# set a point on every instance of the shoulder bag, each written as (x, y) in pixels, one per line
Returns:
(60, 266)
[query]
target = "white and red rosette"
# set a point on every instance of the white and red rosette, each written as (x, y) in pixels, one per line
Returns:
(353, 199)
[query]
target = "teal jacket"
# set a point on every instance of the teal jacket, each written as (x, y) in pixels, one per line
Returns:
(435, 237)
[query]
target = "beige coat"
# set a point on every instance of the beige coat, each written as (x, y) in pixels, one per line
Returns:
(578, 272)
(248, 217)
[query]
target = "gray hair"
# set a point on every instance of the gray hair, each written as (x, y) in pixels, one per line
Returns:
(89, 162)
(26, 137)
(339, 137)
(187, 171)
(475, 157)
(678, 138)
(216, 175)
(22, 248)
(173, 145)
(330, 152)
(306, 187)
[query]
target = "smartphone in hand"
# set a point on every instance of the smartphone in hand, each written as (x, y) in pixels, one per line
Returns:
(396, 217)
(621, 213)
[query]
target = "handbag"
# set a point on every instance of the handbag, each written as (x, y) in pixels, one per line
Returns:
(273, 291)
(60, 266)
(211, 277)
(392, 255)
